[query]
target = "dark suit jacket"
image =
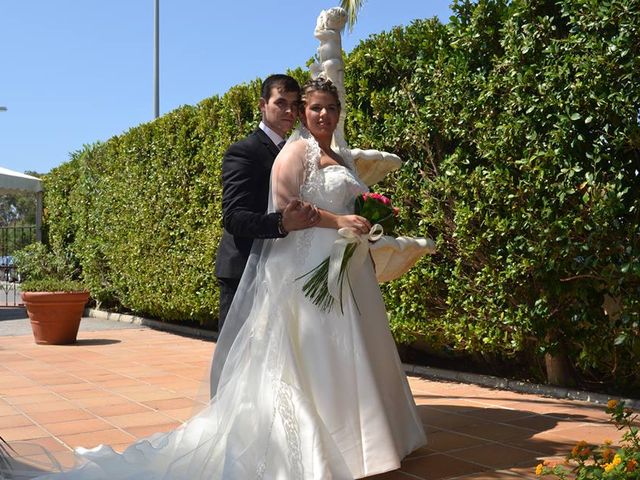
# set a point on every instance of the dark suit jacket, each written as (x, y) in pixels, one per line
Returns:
(246, 168)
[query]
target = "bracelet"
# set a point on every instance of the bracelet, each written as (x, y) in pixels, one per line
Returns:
(281, 229)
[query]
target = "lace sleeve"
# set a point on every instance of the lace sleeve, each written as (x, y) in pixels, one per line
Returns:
(293, 170)
(287, 175)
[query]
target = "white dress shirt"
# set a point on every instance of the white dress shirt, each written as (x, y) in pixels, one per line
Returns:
(275, 138)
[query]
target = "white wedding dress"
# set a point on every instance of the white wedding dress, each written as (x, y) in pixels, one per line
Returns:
(299, 393)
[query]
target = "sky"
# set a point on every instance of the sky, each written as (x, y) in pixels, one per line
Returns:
(73, 72)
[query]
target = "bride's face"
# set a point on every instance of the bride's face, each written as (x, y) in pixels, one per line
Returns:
(321, 114)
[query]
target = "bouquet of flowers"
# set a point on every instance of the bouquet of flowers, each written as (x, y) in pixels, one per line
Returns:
(378, 210)
(325, 283)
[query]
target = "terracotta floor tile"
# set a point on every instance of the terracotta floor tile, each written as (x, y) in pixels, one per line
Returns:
(439, 466)
(138, 419)
(147, 430)
(496, 432)
(158, 377)
(42, 463)
(591, 433)
(119, 409)
(546, 443)
(57, 416)
(10, 421)
(542, 422)
(48, 379)
(47, 407)
(493, 475)
(99, 401)
(182, 414)
(436, 401)
(39, 446)
(499, 415)
(119, 382)
(64, 389)
(25, 432)
(189, 391)
(20, 400)
(86, 425)
(6, 409)
(148, 393)
(444, 441)
(495, 456)
(121, 447)
(169, 403)
(580, 411)
(143, 387)
(13, 374)
(92, 392)
(395, 475)
(27, 390)
(93, 439)
(445, 419)
(422, 451)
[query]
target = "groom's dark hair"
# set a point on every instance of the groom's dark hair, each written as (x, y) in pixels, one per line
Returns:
(281, 82)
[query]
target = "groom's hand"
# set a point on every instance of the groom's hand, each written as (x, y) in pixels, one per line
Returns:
(298, 215)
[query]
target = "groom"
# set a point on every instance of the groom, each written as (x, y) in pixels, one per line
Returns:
(246, 168)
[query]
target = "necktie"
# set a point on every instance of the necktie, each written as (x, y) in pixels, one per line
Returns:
(282, 144)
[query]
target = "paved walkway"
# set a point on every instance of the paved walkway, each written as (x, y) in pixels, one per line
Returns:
(117, 385)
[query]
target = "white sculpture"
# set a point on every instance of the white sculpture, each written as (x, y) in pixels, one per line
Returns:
(330, 65)
(392, 256)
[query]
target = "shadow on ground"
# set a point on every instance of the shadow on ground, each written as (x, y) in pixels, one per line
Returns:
(12, 313)
(96, 341)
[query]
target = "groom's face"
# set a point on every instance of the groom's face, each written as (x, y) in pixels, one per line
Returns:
(279, 113)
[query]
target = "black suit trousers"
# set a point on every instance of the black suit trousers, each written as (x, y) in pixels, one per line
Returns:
(228, 287)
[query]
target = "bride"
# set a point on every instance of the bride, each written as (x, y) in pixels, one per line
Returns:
(300, 393)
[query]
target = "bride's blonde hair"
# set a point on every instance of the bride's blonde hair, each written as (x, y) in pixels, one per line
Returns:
(319, 84)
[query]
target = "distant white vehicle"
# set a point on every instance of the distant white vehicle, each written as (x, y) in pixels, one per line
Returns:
(9, 273)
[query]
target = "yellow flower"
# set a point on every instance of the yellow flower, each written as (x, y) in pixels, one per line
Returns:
(611, 404)
(539, 469)
(617, 460)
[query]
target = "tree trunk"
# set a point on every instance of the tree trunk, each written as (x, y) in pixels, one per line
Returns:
(559, 371)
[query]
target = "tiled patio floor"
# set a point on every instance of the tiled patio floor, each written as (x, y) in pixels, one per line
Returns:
(118, 385)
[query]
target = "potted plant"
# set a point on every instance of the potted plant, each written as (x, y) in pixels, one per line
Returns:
(54, 299)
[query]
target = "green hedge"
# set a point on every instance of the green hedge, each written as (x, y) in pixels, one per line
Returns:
(518, 125)
(141, 213)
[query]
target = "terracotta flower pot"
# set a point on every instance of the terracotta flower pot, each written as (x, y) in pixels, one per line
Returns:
(55, 316)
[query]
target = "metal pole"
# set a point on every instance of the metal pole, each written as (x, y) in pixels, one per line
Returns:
(39, 216)
(156, 60)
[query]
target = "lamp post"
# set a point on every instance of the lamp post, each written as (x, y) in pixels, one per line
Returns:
(156, 59)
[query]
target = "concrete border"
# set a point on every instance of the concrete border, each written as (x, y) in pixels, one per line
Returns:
(516, 385)
(145, 322)
(428, 372)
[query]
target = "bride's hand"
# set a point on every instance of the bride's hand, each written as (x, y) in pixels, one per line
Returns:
(355, 222)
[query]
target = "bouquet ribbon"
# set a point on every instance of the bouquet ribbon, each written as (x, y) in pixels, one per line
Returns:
(361, 244)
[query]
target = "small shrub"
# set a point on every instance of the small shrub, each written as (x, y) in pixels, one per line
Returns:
(36, 262)
(52, 285)
(586, 462)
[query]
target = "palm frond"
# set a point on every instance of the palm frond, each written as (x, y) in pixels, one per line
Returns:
(352, 8)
